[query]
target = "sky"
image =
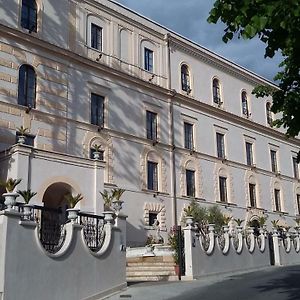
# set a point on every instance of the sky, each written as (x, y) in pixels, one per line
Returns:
(188, 18)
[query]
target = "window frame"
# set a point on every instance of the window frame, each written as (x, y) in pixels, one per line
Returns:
(152, 173)
(277, 200)
(220, 145)
(148, 59)
(188, 129)
(245, 104)
(223, 193)
(24, 83)
(216, 92)
(274, 160)
(190, 183)
(249, 153)
(99, 37)
(252, 195)
(185, 78)
(151, 125)
(27, 22)
(100, 121)
(298, 202)
(295, 167)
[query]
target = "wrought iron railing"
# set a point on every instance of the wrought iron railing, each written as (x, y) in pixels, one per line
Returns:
(93, 230)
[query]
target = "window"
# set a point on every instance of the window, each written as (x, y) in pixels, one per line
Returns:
(29, 139)
(220, 145)
(29, 15)
(96, 37)
(269, 113)
(27, 86)
(188, 136)
(101, 154)
(190, 183)
(245, 109)
(152, 218)
(223, 189)
(249, 153)
(152, 178)
(185, 79)
(216, 92)
(151, 125)
(252, 194)
(298, 203)
(97, 110)
(148, 60)
(273, 154)
(277, 200)
(295, 168)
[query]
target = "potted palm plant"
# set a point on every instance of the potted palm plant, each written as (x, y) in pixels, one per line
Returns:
(107, 199)
(27, 195)
(96, 153)
(22, 137)
(10, 197)
(72, 201)
(117, 202)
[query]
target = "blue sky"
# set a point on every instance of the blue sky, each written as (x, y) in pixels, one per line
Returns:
(188, 18)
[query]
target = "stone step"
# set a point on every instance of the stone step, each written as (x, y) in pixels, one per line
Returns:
(144, 273)
(146, 264)
(152, 267)
(151, 278)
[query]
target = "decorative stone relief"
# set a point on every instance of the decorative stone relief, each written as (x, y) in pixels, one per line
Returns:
(157, 156)
(191, 163)
(158, 208)
(223, 170)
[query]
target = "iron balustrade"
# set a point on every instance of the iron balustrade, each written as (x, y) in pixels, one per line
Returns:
(93, 230)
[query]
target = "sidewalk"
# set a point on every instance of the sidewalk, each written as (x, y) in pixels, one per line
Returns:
(162, 290)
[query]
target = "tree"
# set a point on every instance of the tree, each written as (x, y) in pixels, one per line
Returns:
(277, 24)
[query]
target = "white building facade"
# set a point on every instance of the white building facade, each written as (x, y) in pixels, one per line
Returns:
(174, 120)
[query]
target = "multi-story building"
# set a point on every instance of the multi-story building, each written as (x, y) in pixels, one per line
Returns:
(174, 120)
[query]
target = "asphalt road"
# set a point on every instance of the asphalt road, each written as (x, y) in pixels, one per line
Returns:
(276, 283)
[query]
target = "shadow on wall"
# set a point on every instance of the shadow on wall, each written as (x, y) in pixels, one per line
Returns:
(135, 235)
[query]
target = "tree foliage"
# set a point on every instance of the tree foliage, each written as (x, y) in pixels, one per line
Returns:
(277, 24)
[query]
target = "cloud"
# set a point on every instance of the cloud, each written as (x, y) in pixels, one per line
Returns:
(188, 18)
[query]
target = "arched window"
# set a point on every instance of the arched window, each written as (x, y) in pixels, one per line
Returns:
(185, 79)
(269, 113)
(245, 104)
(216, 92)
(27, 86)
(29, 15)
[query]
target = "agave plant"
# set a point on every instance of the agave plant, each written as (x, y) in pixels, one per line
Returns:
(117, 193)
(275, 223)
(96, 147)
(239, 221)
(227, 219)
(27, 195)
(107, 198)
(188, 211)
(73, 200)
(22, 130)
(262, 221)
(297, 220)
(10, 184)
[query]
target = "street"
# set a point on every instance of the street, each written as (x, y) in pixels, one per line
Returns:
(276, 283)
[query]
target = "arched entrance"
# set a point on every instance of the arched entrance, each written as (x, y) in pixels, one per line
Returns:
(255, 224)
(53, 216)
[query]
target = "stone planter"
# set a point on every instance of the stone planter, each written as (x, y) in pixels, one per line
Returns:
(10, 200)
(27, 211)
(96, 155)
(108, 217)
(117, 205)
(72, 214)
(21, 139)
(189, 220)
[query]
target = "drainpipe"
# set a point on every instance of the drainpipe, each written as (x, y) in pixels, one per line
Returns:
(172, 139)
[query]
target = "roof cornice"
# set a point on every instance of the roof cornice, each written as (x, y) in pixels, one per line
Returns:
(217, 60)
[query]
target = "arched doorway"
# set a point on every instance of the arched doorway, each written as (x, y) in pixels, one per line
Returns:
(53, 216)
(255, 224)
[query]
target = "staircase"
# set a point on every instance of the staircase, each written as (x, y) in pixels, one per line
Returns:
(153, 268)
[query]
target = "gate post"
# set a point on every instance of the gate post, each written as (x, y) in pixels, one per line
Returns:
(276, 248)
(189, 248)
